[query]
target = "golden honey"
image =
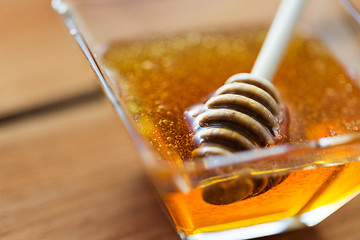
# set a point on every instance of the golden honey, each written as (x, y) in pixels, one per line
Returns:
(160, 79)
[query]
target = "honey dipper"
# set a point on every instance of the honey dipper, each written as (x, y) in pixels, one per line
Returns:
(244, 113)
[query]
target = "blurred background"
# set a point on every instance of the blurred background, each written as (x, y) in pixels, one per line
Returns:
(68, 169)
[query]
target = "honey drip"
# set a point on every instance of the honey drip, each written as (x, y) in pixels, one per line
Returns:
(161, 78)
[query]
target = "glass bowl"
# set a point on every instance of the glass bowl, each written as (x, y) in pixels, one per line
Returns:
(159, 59)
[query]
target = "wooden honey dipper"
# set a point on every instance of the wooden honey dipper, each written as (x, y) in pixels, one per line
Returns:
(245, 113)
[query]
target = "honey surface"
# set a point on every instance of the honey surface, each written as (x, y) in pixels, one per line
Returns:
(160, 79)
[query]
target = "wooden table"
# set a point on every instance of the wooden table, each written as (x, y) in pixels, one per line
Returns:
(68, 168)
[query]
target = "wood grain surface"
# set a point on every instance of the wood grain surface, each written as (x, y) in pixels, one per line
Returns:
(39, 62)
(72, 173)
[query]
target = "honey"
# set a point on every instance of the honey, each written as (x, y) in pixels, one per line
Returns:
(160, 79)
